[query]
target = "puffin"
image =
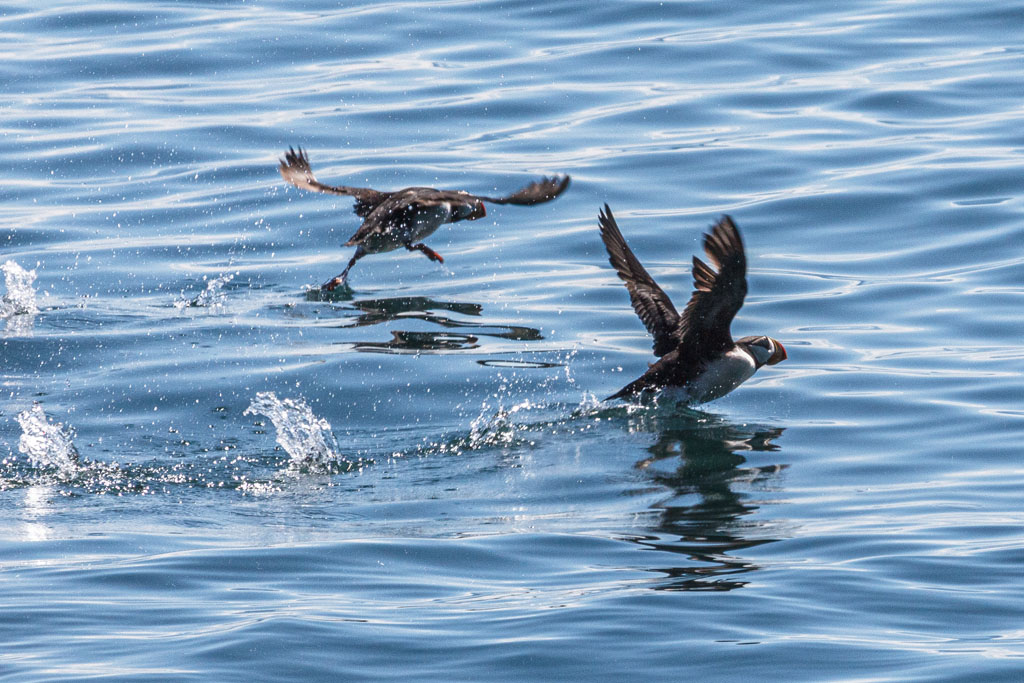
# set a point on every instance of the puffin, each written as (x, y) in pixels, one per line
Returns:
(404, 218)
(698, 359)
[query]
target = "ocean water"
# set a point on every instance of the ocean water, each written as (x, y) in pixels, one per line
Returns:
(210, 473)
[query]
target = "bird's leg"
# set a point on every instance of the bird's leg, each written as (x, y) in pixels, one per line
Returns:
(340, 280)
(431, 254)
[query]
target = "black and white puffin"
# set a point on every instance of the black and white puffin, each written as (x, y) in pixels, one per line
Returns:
(699, 359)
(405, 217)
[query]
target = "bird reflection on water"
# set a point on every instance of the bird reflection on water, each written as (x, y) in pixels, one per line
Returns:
(704, 518)
(456, 335)
(706, 521)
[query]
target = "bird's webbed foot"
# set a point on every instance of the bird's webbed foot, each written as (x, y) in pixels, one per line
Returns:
(430, 253)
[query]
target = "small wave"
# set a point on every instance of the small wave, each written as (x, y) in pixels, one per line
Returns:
(46, 443)
(211, 297)
(303, 435)
(20, 298)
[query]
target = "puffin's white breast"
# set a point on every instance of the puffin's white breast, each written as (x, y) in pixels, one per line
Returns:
(721, 376)
(429, 219)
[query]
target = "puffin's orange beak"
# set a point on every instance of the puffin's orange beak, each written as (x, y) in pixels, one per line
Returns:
(779, 355)
(478, 212)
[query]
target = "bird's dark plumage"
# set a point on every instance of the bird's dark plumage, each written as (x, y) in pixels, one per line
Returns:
(538, 192)
(405, 217)
(717, 297)
(296, 170)
(649, 300)
(701, 337)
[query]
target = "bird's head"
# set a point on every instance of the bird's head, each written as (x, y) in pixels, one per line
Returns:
(765, 350)
(469, 211)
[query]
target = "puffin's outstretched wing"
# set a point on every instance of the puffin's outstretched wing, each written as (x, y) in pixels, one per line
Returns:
(717, 296)
(649, 301)
(543, 190)
(295, 170)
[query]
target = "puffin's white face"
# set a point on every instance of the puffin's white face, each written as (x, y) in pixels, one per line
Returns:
(766, 351)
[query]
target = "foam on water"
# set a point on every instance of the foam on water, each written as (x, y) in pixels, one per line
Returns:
(304, 436)
(46, 443)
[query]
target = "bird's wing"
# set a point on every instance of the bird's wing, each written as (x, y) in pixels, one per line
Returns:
(649, 301)
(717, 296)
(538, 192)
(295, 169)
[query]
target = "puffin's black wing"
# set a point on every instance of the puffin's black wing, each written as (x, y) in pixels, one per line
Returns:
(295, 170)
(649, 300)
(543, 190)
(717, 296)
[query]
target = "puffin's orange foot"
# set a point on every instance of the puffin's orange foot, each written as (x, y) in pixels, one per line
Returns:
(431, 254)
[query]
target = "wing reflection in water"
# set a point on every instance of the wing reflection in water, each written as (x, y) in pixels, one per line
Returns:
(701, 462)
(420, 342)
(419, 308)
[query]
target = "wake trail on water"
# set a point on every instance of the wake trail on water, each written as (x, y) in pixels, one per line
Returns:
(503, 420)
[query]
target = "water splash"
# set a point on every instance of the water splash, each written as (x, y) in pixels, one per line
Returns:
(501, 424)
(20, 298)
(303, 435)
(497, 427)
(46, 443)
(211, 297)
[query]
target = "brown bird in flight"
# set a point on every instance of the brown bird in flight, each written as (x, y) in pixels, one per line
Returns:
(406, 217)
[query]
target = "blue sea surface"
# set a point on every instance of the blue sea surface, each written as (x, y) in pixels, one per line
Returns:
(210, 472)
